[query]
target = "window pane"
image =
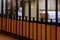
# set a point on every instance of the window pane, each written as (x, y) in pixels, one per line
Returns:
(41, 4)
(58, 16)
(51, 4)
(42, 10)
(58, 11)
(58, 4)
(51, 15)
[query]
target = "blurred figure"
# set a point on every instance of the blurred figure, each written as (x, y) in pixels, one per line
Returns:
(20, 12)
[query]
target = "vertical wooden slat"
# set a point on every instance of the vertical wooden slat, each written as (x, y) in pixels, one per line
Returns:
(58, 33)
(18, 27)
(12, 26)
(39, 32)
(19, 24)
(48, 32)
(34, 31)
(43, 32)
(0, 23)
(4, 24)
(26, 27)
(53, 32)
(23, 28)
(31, 30)
(7, 24)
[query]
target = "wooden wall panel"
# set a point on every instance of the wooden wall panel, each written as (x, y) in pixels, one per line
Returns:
(48, 32)
(34, 31)
(27, 23)
(43, 31)
(18, 27)
(0, 23)
(7, 25)
(39, 31)
(4, 24)
(58, 33)
(31, 30)
(25, 29)
(53, 32)
(14, 27)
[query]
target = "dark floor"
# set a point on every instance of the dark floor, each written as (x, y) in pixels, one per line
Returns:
(9, 36)
(6, 37)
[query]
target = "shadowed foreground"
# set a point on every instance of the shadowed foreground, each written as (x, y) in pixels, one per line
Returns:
(6, 37)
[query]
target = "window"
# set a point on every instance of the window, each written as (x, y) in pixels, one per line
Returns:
(51, 9)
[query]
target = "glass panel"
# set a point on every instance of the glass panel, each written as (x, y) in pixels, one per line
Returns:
(42, 15)
(27, 9)
(58, 11)
(51, 10)
(58, 16)
(51, 4)
(41, 4)
(59, 5)
(51, 15)
(33, 9)
(42, 9)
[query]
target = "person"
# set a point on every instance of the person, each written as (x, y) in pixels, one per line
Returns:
(20, 12)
